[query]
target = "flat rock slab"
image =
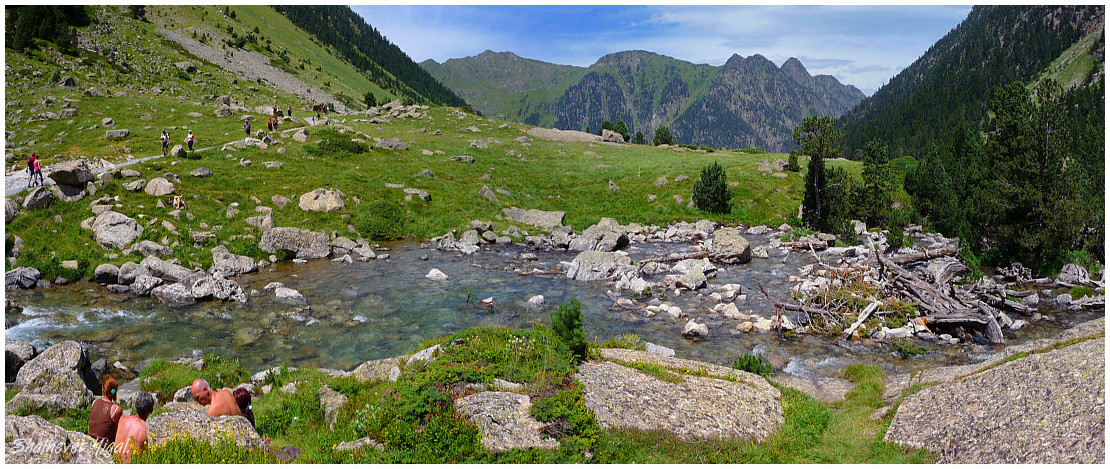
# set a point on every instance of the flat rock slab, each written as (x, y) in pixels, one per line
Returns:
(196, 425)
(698, 408)
(379, 370)
(1047, 408)
(827, 390)
(504, 421)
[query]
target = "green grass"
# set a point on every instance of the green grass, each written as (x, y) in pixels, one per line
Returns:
(76, 420)
(659, 372)
(165, 378)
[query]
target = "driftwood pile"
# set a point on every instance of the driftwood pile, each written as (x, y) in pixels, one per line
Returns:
(914, 294)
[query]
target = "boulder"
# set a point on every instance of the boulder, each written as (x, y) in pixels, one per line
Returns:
(357, 444)
(151, 248)
(436, 274)
(331, 401)
(304, 244)
(196, 425)
(539, 218)
(11, 209)
(178, 151)
(143, 284)
(279, 201)
(463, 158)
(730, 247)
(226, 264)
(201, 173)
(59, 378)
(203, 287)
(658, 350)
(22, 277)
(379, 370)
(556, 135)
(693, 280)
(73, 173)
(224, 111)
(607, 235)
(16, 354)
(106, 273)
(174, 294)
(159, 186)
(488, 194)
(596, 265)
(289, 296)
(34, 440)
(610, 136)
(39, 197)
(113, 229)
(504, 421)
(321, 200)
(66, 113)
(135, 186)
(695, 330)
(117, 134)
(391, 143)
(1074, 273)
(697, 408)
(68, 193)
(186, 67)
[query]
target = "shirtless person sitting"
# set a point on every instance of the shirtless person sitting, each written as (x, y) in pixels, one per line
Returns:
(131, 433)
(219, 403)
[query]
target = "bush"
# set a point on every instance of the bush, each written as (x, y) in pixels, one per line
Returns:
(663, 136)
(711, 190)
(753, 364)
(1081, 291)
(381, 220)
(792, 162)
(335, 145)
(566, 324)
(905, 348)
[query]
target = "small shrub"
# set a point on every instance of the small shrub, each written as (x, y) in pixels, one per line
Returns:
(568, 405)
(566, 323)
(381, 220)
(335, 145)
(904, 347)
(711, 190)
(187, 451)
(792, 162)
(663, 136)
(625, 341)
(1081, 291)
(755, 364)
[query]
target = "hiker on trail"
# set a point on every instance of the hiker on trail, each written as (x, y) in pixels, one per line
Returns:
(165, 142)
(247, 127)
(219, 403)
(289, 111)
(270, 125)
(31, 162)
(190, 140)
(38, 169)
(104, 414)
(131, 437)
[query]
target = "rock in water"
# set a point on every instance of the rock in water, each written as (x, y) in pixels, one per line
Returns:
(694, 330)
(304, 244)
(730, 247)
(436, 274)
(595, 265)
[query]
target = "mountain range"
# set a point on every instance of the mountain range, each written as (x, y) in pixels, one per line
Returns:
(747, 102)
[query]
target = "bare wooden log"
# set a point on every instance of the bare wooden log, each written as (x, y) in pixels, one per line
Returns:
(863, 315)
(805, 245)
(1090, 302)
(677, 256)
(903, 259)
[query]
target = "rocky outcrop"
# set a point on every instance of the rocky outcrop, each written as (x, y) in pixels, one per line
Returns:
(503, 421)
(196, 425)
(379, 370)
(556, 135)
(225, 264)
(113, 229)
(304, 244)
(71, 173)
(331, 401)
(827, 390)
(607, 235)
(540, 218)
(38, 198)
(106, 273)
(151, 248)
(729, 247)
(59, 378)
(1046, 408)
(321, 200)
(129, 271)
(165, 270)
(697, 408)
(589, 266)
(11, 209)
(34, 440)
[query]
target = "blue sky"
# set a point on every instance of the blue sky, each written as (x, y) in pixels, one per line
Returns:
(860, 45)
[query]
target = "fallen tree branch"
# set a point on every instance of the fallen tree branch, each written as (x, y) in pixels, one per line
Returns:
(866, 313)
(675, 256)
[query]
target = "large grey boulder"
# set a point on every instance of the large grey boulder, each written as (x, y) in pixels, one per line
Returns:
(117, 134)
(556, 135)
(196, 425)
(159, 186)
(589, 266)
(106, 273)
(179, 151)
(226, 264)
(331, 401)
(72, 173)
(289, 296)
(610, 136)
(39, 197)
(697, 408)
(11, 209)
(34, 440)
(606, 235)
(540, 218)
(151, 248)
(379, 370)
(730, 247)
(59, 378)
(321, 200)
(165, 270)
(22, 277)
(224, 111)
(504, 421)
(1074, 273)
(16, 354)
(174, 294)
(143, 284)
(68, 193)
(204, 287)
(114, 229)
(1046, 408)
(129, 271)
(303, 243)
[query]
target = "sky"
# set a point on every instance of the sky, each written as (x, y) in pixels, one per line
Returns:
(863, 46)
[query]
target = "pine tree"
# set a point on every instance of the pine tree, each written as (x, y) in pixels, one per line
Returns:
(639, 140)
(819, 138)
(663, 137)
(711, 190)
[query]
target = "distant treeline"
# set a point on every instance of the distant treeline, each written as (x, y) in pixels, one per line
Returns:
(344, 30)
(52, 23)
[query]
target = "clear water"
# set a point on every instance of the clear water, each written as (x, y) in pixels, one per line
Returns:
(365, 311)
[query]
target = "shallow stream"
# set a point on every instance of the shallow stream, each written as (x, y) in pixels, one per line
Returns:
(377, 309)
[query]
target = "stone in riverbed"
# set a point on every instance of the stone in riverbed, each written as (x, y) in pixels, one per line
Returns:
(289, 296)
(174, 294)
(304, 244)
(436, 274)
(695, 330)
(730, 247)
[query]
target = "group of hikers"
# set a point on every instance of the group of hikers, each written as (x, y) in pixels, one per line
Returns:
(34, 171)
(190, 140)
(126, 435)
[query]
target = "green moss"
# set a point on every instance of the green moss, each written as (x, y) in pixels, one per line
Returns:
(652, 369)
